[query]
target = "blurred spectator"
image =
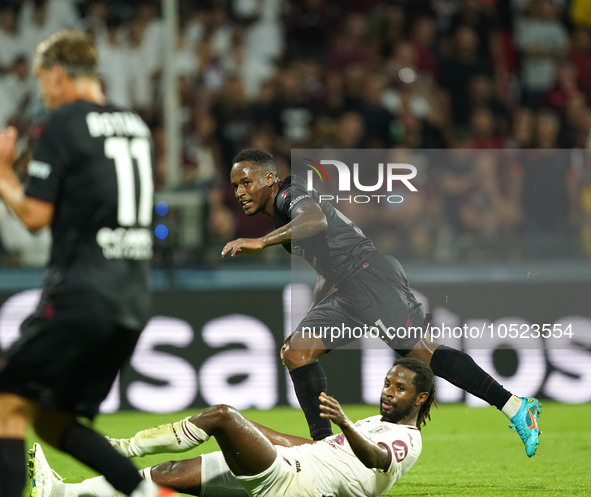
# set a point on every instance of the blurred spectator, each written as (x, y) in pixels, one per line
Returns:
(252, 70)
(456, 178)
(263, 32)
(458, 70)
(10, 39)
(210, 67)
(412, 132)
(376, 118)
(573, 129)
(348, 132)
(477, 15)
(403, 58)
(543, 40)
(484, 129)
(290, 113)
(309, 25)
(352, 46)
(393, 28)
(444, 11)
(201, 153)
(36, 24)
(212, 24)
(580, 55)
(311, 81)
(493, 209)
(153, 38)
(423, 36)
(482, 94)
(18, 88)
(142, 63)
(521, 129)
(481, 196)
(565, 87)
(113, 63)
(236, 120)
(221, 225)
(549, 192)
(335, 93)
(96, 19)
(408, 97)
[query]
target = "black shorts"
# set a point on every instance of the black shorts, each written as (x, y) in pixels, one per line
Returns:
(378, 297)
(66, 360)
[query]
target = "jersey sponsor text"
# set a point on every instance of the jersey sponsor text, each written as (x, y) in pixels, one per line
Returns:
(125, 243)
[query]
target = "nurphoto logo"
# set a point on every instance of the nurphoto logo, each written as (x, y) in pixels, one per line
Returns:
(394, 173)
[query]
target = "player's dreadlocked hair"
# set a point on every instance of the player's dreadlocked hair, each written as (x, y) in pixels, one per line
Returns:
(424, 381)
(257, 156)
(71, 50)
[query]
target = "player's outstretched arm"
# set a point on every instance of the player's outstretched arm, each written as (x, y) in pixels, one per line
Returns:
(307, 220)
(34, 213)
(369, 453)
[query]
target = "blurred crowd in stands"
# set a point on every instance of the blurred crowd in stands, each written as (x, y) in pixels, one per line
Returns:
(400, 74)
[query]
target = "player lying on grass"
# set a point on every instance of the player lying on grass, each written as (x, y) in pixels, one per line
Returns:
(366, 459)
(371, 290)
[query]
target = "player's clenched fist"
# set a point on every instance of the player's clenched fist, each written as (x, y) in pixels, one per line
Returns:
(246, 246)
(332, 410)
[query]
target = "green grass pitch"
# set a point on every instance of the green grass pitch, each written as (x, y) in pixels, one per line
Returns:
(466, 452)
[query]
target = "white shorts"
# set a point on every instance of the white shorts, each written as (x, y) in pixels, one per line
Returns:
(285, 477)
(216, 478)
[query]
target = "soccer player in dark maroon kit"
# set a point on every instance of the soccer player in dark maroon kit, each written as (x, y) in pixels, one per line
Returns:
(90, 180)
(370, 286)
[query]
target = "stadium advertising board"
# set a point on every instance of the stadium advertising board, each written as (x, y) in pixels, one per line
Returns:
(208, 347)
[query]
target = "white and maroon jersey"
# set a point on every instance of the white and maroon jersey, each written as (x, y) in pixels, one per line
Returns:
(337, 471)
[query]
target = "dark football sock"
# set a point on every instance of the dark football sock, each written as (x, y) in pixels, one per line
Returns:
(460, 370)
(13, 472)
(309, 381)
(93, 450)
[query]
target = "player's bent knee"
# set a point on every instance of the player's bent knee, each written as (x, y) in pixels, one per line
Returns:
(162, 470)
(221, 414)
(294, 358)
(300, 350)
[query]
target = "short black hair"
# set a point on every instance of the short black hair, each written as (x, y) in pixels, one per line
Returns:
(257, 156)
(424, 381)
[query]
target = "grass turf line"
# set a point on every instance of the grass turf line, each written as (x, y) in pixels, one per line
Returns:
(466, 451)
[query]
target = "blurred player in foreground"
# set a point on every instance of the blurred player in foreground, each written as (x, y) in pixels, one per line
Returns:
(366, 459)
(95, 300)
(371, 289)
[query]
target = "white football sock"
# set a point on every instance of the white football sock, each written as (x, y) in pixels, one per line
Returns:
(512, 406)
(98, 486)
(146, 474)
(170, 438)
(146, 489)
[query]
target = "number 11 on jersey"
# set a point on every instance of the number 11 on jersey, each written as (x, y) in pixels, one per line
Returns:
(123, 151)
